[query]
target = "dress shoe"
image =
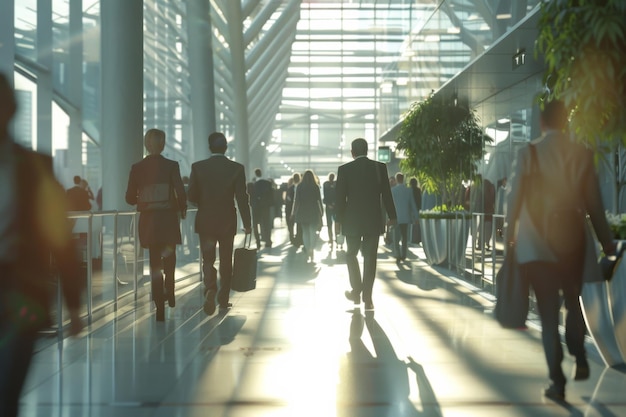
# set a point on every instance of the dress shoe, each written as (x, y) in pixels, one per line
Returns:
(369, 305)
(209, 302)
(582, 369)
(169, 291)
(225, 306)
(355, 298)
(555, 392)
(171, 299)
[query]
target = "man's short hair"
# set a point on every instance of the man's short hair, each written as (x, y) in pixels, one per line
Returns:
(554, 114)
(76, 179)
(217, 142)
(154, 141)
(258, 172)
(359, 147)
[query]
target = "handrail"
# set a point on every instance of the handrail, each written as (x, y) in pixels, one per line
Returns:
(107, 238)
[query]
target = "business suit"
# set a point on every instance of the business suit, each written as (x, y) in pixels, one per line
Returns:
(360, 185)
(214, 185)
(329, 188)
(159, 227)
(568, 172)
(38, 229)
(407, 213)
(262, 201)
(78, 199)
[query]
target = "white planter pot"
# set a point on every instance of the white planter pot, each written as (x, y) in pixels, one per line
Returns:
(434, 240)
(604, 308)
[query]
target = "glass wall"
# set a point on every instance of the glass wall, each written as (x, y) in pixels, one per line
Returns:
(357, 67)
(339, 70)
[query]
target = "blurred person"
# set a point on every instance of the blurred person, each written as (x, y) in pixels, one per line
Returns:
(295, 233)
(78, 196)
(407, 214)
(568, 182)
(480, 198)
(99, 198)
(307, 211)
(84, 184)
(33, 227)
(215, 184)
(189, 235)
(156, 187)
(361, 184)
(416, 234)
(330, 197)
(262, 200)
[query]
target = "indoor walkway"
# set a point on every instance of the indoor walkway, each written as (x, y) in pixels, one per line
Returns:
(296, 347)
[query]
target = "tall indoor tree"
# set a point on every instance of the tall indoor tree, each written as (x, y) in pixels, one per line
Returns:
(583, 43)
(442, 142)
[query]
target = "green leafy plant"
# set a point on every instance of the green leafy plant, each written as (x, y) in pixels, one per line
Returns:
(445, 212)
(617, 223)
(583, 43)
(442, 142)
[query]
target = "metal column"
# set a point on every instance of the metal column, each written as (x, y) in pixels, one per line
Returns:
(200, 55)
(44, 77)
(7, 39)
(122, 95)
(75, 89)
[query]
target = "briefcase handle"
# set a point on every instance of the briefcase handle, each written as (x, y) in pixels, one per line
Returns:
(247, 240)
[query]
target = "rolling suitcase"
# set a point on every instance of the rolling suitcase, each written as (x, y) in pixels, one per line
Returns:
(244, 267)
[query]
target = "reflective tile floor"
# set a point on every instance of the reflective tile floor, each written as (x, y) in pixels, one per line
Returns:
(296, 347)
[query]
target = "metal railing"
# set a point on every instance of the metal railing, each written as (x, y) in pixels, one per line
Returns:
(115, 266)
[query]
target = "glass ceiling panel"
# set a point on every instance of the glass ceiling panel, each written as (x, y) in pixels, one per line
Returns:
(377, 57)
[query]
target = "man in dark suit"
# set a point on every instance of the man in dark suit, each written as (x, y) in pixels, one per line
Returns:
(78, 197)
(214, 185)
(155, 186)
(263, 200)
(360, 186)
(33, 226)
(329, 187)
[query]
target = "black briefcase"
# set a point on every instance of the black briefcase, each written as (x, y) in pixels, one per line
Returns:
(244, 267)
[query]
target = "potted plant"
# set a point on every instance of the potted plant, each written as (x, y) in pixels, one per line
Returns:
(444, 234)
(442, 142)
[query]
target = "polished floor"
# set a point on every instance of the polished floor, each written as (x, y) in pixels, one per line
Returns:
(295, 347)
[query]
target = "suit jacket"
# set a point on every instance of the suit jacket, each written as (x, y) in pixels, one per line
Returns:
(158, 226)
(44, 233)
(568, 170)
(78, 199)
(263, 194)
(406, 210)
(330, 194)
(214, 185)
(360, 185)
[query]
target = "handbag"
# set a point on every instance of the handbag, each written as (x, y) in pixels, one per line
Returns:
(244, 267)
(155, 197)
(512, 291)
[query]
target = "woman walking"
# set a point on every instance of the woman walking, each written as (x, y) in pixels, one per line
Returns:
(307, 211)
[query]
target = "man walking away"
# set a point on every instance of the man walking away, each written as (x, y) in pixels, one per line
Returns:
(214, 185)
(361, 184)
